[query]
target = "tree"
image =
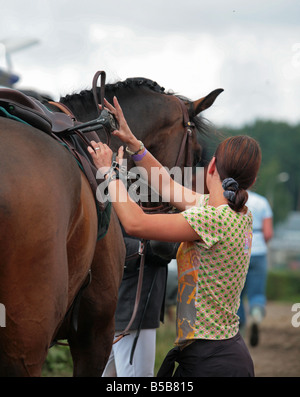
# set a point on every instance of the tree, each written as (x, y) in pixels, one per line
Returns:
(280, 145)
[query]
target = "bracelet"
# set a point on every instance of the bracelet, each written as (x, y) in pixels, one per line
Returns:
(138, 157)
(134, 153)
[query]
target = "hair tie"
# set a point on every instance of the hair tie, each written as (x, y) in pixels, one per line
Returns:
(230, 183)
(230, 186)
(229, 195)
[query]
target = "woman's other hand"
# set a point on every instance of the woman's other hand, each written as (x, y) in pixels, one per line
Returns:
(124, 132)
(101, 155)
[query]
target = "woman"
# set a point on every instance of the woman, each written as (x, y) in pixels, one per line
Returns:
(216, 231)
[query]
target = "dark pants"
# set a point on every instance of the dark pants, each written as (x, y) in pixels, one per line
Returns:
(210, 358)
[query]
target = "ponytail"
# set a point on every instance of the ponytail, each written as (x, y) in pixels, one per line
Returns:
(241, 198)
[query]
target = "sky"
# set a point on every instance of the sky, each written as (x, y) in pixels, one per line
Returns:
(251, 49)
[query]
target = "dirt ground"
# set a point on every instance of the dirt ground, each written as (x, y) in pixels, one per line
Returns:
(278, 351)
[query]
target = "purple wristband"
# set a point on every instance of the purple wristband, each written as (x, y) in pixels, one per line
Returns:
(138, 157)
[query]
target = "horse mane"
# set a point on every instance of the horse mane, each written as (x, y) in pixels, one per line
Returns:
(137, 82)
(132, 82)
(86, 96)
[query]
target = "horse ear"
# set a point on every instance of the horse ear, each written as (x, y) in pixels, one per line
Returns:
(204, 103)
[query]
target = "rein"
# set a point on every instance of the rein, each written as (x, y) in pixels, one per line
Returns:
(141, 253)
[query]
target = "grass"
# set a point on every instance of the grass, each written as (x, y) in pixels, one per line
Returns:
(283, 285)
(59, 360)
(58, 363)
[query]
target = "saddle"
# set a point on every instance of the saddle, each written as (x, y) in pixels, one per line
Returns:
(63, 126)
(33, 112)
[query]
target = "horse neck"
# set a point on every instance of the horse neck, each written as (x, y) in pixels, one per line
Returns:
(151, 115)
(141, 107)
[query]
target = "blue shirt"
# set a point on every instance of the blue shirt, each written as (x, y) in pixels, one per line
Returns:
(260, 208)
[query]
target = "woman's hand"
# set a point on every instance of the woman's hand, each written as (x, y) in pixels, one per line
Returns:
(124, 132)
(102, 156)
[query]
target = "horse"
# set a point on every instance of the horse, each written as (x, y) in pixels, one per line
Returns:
(48, 230)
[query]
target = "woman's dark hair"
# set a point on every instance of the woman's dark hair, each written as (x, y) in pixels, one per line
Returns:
(238, 157)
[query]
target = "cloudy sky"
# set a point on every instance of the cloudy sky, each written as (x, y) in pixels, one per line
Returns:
(249, 48)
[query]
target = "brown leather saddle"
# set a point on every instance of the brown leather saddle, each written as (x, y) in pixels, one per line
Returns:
(30, 110)
(33, 112)
(62, 125)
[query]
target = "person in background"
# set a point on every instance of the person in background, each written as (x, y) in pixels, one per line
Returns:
(256, 279)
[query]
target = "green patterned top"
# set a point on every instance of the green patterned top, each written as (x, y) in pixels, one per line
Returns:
(212, 272)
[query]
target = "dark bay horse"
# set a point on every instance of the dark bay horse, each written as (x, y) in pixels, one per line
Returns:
(48, 231)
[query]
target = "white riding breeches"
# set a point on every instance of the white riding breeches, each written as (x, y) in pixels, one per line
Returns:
(118, 364)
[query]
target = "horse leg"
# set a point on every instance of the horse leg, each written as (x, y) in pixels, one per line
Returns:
(91, 345)
(34, 280)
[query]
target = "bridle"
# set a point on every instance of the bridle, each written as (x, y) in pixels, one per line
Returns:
(185, 151)
(184, 157)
